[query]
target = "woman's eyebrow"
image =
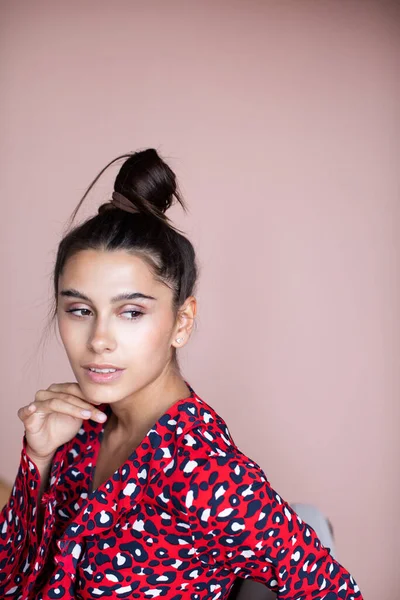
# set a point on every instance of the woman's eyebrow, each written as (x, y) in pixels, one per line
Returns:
(72, 293)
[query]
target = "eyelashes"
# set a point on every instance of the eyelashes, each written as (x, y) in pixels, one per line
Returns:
(137, 313)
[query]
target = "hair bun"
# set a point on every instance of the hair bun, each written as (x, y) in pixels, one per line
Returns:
(148, 182)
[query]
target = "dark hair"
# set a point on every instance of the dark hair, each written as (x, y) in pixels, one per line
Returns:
(151, 186)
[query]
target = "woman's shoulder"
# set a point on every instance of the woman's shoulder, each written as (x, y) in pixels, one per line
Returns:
(210, 475)
(207, 444)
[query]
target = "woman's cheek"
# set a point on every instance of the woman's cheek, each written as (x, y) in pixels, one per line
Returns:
(156, 341)
(66, 336)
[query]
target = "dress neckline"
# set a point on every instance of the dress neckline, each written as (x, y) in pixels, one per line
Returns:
(144, 444)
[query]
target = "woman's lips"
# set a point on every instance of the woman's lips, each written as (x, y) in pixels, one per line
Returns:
(104, 377)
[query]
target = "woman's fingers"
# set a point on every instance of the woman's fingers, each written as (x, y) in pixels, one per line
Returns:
(66, 407)
(71, 388)
(65, 398)
(90, 411)
(26, 411)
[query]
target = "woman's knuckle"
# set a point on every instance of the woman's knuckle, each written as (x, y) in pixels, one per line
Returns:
(54, 403)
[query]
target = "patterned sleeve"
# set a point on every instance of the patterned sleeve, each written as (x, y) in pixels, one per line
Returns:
(239, 519)
(17, 522)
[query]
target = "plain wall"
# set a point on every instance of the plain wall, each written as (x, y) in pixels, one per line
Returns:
(281, 122)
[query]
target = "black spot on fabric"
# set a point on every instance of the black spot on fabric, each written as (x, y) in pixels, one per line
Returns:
(155, 439)
(252, 508)
(137, 550)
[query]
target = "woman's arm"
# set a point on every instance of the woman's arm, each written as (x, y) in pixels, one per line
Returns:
(250, 528)
(21, 519)
(44, 467)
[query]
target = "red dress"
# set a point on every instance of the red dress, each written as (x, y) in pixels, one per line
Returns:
(184, 516)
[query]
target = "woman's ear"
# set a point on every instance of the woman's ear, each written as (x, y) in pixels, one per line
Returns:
(184, 322)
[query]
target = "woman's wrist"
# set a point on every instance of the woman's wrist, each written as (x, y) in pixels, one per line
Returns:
(40, 461)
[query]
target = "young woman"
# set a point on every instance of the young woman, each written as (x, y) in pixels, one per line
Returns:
(130, 485)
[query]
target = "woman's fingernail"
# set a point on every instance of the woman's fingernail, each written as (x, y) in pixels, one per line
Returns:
(31, 407)
(102, 417)
(86, 413)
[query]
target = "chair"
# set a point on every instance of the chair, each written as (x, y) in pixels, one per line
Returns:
(5, 493)
(247, 589)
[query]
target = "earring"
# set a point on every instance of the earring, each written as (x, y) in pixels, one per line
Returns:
(179, 340)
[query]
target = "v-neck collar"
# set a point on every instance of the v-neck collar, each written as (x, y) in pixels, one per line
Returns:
(147, 441)
(103, 507)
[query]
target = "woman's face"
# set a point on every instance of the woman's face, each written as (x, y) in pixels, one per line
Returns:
(95, 327)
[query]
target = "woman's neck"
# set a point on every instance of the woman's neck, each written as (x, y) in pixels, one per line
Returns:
(133, 416)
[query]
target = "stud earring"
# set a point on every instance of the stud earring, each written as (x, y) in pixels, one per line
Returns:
(179, 340)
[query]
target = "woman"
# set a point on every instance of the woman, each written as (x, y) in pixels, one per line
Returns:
(130, 485)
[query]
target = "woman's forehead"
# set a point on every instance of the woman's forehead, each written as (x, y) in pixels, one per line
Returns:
(111, 272)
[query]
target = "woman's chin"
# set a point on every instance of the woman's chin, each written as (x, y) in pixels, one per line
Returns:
(97, 394)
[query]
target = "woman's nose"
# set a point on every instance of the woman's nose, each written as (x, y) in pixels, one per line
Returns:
(101, 339)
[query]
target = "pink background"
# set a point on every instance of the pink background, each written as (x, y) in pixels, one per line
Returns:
(281, 122)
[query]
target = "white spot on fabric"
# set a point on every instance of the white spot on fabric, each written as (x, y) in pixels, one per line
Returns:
(190, 466)
(220, 492)
(296, 556)
(169, 466)
(138, 525)
(124, 590)
(237, 526)
(104, 517)
(207, 417)
(226, 512)
(129, 489)
(11, 591)
(189, 439)
(152, 593)
(177, 564)
(194, 574)
(205, 515)
(89, 570)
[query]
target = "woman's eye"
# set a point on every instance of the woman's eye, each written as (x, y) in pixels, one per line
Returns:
(135, 313)
(75, 310)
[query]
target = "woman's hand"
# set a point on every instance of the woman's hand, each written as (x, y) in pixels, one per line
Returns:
(54, 418)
